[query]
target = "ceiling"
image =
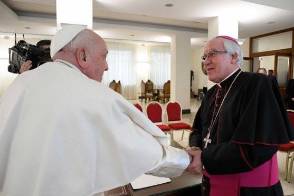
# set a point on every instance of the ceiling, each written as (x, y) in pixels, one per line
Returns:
(151, 20)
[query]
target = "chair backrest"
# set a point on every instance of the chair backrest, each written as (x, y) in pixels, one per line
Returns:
(138, 106)
(154, 111)
(118, 87)
(291, 117)
(289, 146)
(149, 86)
(166, 88)
(112, 84)
(174, 111)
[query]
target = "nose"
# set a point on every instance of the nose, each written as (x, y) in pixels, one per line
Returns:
(206, 61)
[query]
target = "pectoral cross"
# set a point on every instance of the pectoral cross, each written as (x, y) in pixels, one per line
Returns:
(207, 140)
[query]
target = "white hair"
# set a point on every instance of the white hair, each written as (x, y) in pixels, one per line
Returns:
(234, 48)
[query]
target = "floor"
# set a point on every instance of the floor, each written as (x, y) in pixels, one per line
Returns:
(287, 187)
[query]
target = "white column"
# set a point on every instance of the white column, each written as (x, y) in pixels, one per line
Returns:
(74, 12)
(181, 64)
(222, 25)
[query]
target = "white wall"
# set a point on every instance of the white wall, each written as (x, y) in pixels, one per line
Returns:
(181, 64)
(5, 77)
(245, 47)
(200, 80)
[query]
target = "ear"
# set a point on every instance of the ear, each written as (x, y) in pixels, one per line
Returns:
(82, 58)
(235, 58)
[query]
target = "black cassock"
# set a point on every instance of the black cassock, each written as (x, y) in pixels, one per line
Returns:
(251, 123)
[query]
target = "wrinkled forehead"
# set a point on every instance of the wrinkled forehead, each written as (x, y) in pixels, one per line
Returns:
(100, 44)
(214, 44)
(103, 45)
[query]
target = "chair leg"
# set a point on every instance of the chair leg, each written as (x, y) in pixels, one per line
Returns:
(291, 168)
(287, 166)
(172, 135)
(183, 132)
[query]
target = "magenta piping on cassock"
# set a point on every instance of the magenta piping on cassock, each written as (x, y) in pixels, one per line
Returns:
(244, 158)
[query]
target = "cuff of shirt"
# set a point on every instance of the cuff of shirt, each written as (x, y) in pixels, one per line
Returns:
(173, 163)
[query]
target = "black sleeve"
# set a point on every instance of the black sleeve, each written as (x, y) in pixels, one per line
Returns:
(195, 138)
(229, 158)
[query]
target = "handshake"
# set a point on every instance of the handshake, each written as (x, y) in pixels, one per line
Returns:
(195, 165)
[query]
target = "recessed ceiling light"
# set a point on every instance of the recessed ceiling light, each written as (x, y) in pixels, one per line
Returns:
(169, 5)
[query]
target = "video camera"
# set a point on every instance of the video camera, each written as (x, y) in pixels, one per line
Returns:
(24, 51)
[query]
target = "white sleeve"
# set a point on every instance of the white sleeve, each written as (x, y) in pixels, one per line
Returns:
(173, 163)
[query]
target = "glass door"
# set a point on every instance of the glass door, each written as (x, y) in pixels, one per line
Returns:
(282, 70)
(265, 62)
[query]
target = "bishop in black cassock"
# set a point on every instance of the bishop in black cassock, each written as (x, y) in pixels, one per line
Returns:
(238, 127)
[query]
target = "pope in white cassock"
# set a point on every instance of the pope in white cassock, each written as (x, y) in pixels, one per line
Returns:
(63, 133)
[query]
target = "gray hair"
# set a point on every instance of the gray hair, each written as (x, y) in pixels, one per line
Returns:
(234, 48)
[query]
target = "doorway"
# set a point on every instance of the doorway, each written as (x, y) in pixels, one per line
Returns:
(279, 63)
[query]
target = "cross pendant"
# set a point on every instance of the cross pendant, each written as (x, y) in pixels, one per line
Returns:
(207, 140)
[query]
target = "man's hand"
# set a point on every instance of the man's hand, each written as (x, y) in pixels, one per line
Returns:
(25, 66)
(196, 164)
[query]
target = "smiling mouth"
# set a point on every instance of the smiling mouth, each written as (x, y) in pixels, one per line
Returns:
(209, 69)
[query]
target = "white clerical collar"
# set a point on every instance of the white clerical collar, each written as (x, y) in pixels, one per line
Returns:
(67, 64)
(218, 84)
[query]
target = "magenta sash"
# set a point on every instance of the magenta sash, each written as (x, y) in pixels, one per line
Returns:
(265, 175)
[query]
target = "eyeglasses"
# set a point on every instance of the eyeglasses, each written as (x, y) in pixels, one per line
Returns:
(213, 53)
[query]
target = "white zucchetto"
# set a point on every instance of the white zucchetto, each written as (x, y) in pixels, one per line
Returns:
(64, 36)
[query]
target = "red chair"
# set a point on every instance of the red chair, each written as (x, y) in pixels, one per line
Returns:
(289, 149)
(138, 106)
(291, 117)
(154, 113)
(174, 116)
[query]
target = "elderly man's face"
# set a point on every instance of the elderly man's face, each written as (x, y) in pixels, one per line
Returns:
(217, 61)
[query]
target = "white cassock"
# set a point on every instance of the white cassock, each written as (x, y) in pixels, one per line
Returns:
(63, 134)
